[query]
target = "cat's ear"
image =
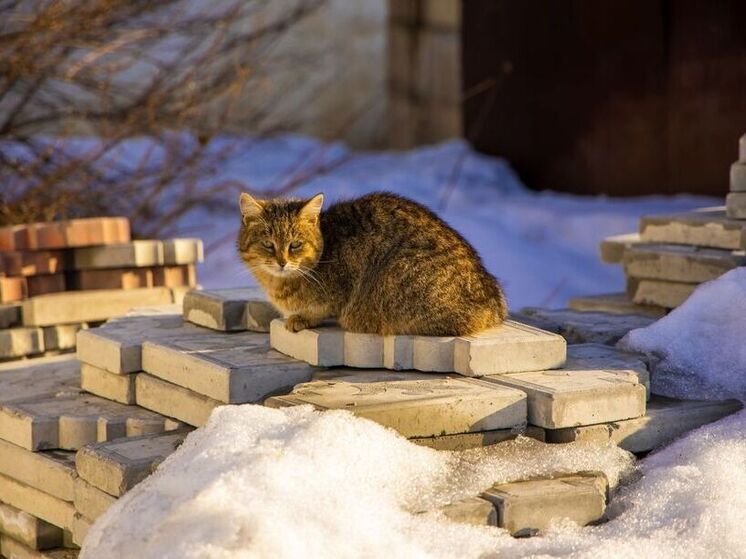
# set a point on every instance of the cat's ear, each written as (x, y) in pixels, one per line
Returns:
(249, 206)
(312, 208)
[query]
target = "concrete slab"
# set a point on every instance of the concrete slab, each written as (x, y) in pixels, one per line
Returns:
(80, 528)
(584, 327)
(89, 306)
(69, 422)
(116, 467)
(708, 227)
(37, 503)
(10, 315)
(182, 251)
(742, 149)
(680, 263)
(16, 550)
(613, 248)
(91, 502)
(230, 310)
(738, 177)
(472, 510)
(735, 203)
(614, 303)
(566, 398)
(667, 294)
(61, 336)
(117, 345)
(582, 357)
(50, 471)
(39, 378)
(420, 407)
(525, 508)
(19, 342)
(510, 347)
(126, 255)
(100, 382)
(27, 529)
(464, 441)
(173, 401)
(229, 368)
(665, 420)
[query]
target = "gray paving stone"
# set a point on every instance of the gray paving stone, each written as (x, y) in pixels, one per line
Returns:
(118, 388)
(579, 327)
(665, 420)
(16, 550)
(173, 401)
(91, 502)
(37, 503)
(39, 378)
(527, 507)
(50, 471)
(742, 149)
(613, 248)
(680, 263)
(10, 315)
(709, 227)
(510, 347)
(117, 345)
(472, 510)
(22, 341)
(614, 303)
(117, 466)
(134, 254)
(27, 529)
(90, 306)
(464, 441)
(182, 251)
(80, 528)
(425, 406)
(598, 356)
(69, 422)
(229, 368)
(738, 177)
(61, 336)
(736, 205)
(230, 310)
(668, 294)
(566, 398)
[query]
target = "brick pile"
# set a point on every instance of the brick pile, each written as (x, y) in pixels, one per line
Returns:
(77, 434)
(59, 277)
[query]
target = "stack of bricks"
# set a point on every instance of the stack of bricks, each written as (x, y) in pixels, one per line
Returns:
(672, 254)
(59, 277)
(77, 434)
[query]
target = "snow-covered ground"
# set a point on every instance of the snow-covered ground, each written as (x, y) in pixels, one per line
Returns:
(542, 246)
(258, 482)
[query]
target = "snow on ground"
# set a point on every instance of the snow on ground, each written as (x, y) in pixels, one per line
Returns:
(542, 246)
(259, 482)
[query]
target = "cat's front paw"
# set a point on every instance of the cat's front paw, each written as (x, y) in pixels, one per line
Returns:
(296, 323)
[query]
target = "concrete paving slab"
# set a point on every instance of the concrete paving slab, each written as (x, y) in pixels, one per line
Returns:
(667, 294)
(230, 310)
(27, 529)
(735, 203)
(472, 510)
(16, 550)
(39, 378)
(100, 382)
(50, 471)
(90, 502)
(614, 303)
(173, 401)
(709, 227)
(37, 503)
(613, 248)
(680, 263)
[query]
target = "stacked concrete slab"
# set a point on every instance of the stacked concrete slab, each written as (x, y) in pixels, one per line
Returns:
(672, 254)
(59, 277)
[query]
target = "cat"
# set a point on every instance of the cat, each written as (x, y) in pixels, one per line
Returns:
(379, 264)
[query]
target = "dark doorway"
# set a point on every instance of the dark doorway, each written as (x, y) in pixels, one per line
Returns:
(601, 96)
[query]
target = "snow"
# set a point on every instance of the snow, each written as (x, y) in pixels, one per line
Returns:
(543, 246)
(689, 342)
(259, 482)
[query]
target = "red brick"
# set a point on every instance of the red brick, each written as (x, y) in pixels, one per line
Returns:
(175, 276)
(64, 234)
(32, 263)
(12, 289)
(51, 283)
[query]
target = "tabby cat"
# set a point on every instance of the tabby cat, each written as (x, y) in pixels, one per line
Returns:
(379, 264)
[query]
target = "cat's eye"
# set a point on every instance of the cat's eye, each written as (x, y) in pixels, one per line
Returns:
(269, 245)
(295, 245)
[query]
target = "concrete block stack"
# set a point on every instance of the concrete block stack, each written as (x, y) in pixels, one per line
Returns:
(60, 277)
(736, 200)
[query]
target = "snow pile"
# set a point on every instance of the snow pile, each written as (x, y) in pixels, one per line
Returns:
(258, 482)
(542, 246)
(700, 347)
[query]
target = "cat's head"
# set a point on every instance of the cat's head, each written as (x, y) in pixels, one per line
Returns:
(280, 237)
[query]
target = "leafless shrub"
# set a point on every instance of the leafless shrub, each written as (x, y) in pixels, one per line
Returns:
(79, 79)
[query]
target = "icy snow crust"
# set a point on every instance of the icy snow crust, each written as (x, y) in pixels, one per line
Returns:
(258, 482)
